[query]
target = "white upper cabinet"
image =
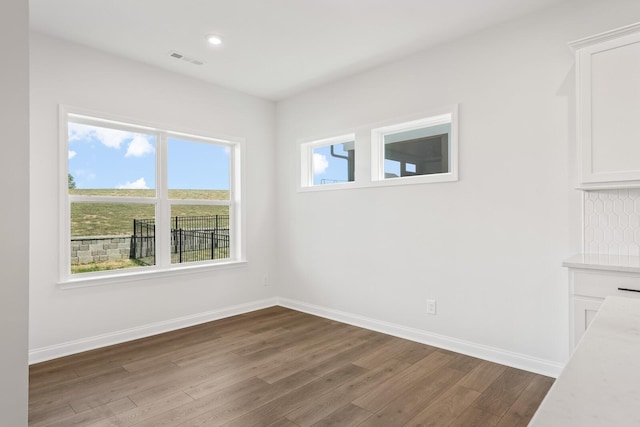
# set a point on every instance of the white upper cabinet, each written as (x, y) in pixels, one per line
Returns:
(608, 108)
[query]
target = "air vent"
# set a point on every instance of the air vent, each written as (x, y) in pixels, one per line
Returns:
(182, 57)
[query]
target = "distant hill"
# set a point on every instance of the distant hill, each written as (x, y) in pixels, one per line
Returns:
(106, 219)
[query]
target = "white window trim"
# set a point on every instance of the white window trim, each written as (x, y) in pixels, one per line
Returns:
(163, 267)
(306, 163)
(369, 173)
(435, 117)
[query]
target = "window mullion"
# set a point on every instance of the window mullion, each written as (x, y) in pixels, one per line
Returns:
(110, 199)
(163, 208)
(234, 192)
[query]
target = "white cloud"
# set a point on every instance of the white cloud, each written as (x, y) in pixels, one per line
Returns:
(138, 184)
(78, 131)
(72, 154)
(320, 163)
(139, 147)
(111, 138)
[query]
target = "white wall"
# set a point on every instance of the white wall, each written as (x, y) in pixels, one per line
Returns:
(14, 212)
(65, 73)
(489, 247)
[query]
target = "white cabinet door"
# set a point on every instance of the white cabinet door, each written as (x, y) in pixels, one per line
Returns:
(584, 310)
(608, 107)
(589, 288)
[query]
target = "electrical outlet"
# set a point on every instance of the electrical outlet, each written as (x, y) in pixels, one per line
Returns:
(265, 280)
(431, 306)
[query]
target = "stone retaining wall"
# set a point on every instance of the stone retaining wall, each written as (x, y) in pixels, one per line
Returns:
(87, 250)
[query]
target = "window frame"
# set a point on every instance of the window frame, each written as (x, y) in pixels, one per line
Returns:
(434, 118)
(161, 200)
(369, 144)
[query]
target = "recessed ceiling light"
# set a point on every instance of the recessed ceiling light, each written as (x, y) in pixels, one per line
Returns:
(214, 40)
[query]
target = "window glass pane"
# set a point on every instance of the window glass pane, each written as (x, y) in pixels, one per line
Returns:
(333, 163)
(111, 236)
(420, 151)
(391, 168)
(110, 162)
(199, 233)
(198, 170)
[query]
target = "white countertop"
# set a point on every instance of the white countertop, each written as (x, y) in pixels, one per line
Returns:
(600, 386)
(623, 263)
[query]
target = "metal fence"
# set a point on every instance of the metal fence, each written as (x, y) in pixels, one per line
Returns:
(203, 223)
(197, 245)
(193, 238)
(143, 241)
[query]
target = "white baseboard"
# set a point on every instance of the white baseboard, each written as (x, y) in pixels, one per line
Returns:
(516, 360)
(503, 357)
(59, 350)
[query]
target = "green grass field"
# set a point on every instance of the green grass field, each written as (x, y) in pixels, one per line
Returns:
(104, 266)
(110, 219)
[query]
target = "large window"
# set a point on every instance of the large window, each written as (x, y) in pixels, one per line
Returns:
(145, 198)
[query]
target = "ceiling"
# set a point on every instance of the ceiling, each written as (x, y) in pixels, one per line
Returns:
(272, 48)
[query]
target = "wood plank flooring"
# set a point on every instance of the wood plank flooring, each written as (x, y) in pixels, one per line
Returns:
(279, 367)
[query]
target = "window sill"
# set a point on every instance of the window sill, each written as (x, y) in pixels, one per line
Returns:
(147, 274)
(330, 187)
(388, 182)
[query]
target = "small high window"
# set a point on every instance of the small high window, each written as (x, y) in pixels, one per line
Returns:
(423, 150)
(328, 161)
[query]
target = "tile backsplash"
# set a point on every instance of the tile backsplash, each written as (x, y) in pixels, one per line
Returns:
(612, 222)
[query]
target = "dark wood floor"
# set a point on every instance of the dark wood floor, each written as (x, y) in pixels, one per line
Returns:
(278, 367)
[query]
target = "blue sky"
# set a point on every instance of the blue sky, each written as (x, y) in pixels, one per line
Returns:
(331, 169)
(108, 158)
(327, 167)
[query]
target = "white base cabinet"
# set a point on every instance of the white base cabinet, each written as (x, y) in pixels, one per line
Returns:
(584, 310)
(589, 288)
(600, 386)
